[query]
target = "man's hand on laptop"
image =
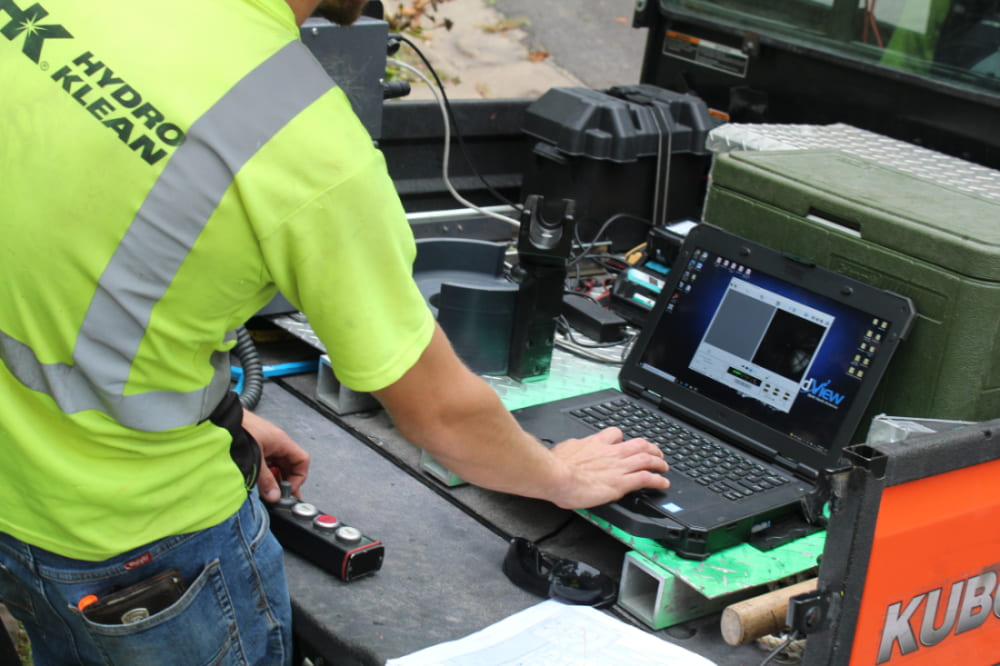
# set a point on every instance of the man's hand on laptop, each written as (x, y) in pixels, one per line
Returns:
(603, 468)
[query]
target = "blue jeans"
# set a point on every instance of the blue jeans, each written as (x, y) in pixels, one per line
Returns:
(235, 610)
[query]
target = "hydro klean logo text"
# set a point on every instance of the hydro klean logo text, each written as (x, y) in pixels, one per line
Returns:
(119, 107)
(91, 83)
(920, 624)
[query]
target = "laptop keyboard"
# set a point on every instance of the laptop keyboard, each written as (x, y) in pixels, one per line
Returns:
(721, 470)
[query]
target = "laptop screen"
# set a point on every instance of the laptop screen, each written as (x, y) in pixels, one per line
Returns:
(771, 339)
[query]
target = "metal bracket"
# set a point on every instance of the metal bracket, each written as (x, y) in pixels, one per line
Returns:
(807, 612)
(867, 458)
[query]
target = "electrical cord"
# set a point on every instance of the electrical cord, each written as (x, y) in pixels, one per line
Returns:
(779, 648)
(567, 341)
(597, 236)
(609, 262)
(557, 530)
(447, 149)
(451, 115)
(627, 349)
(584, 353)
(585, 253)
(450, 121)
(661, 115)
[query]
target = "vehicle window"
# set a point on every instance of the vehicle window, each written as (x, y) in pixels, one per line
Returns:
(953, 41)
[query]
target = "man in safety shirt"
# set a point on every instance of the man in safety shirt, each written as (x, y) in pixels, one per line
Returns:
(165, 167)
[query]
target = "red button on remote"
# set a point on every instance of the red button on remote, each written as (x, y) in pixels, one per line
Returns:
(325, 522)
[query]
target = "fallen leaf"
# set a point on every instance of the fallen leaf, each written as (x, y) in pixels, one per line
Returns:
(505, 25)
(538, 56)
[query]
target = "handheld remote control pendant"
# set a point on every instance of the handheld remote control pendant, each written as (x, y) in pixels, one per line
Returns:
(323, 539)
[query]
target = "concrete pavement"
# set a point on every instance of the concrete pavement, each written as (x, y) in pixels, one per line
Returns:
(493, 46)
(592, 39)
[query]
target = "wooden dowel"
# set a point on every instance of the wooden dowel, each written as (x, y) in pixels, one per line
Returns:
(748, 620)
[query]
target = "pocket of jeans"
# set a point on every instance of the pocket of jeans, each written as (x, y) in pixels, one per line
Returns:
(198, 629)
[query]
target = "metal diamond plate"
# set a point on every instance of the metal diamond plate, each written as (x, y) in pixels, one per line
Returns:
(907, 157)
(297, 324)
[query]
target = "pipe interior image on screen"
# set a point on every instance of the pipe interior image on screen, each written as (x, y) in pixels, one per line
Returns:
(761, 343)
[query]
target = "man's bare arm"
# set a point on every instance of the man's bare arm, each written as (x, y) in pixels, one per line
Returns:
(444, 408)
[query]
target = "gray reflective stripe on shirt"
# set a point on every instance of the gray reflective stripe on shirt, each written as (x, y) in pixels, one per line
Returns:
(155, 245)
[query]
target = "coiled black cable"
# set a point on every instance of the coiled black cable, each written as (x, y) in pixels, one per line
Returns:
(253, 370)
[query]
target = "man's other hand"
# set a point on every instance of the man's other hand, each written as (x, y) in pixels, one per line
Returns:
(278, 449)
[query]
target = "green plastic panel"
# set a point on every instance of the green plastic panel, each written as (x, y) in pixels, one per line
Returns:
(732, 570)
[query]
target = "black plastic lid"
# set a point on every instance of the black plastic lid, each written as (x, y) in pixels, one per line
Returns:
(622, 124)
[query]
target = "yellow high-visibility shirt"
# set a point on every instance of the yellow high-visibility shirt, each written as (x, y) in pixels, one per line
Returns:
(164, 169)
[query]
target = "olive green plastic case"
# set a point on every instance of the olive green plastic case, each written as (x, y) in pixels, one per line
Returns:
(933, 243)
